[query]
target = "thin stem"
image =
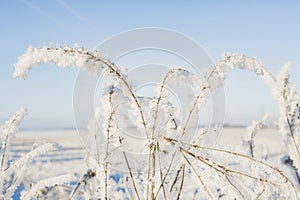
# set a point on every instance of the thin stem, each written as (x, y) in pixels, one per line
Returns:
(109, 125)
(4, 151)
(191, 111)
(182, 181)
(293, 137)
(97, 150)
(159, 99)
(5, 143)
(149, 173)
(251, 141)
(160, 171)
(153, 135)
(199, 177)
(261, 193)
(153, 172)
(176, 178)
(166, 174)
(131, 176)
(234, 186)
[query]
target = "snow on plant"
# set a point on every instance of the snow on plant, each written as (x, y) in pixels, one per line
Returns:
(7, 131)
(43, 187)
(285, 94)
(11, 172)
(173, 164)
(9, 182)
(289, 122)
(252, 130)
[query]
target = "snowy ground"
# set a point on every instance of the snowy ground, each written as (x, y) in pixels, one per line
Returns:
(71, 157)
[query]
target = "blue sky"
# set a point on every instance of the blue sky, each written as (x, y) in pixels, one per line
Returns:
(267, 29)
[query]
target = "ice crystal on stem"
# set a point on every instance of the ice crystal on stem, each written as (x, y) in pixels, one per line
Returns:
(252, 130)
(41, 188)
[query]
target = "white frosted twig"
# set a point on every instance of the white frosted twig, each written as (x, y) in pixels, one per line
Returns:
(7, 130)
(63, 57)
(39, 187)
(289, 110)
(20, 165)
(252, 131)
(42, 149)
(74, 57)
(236, 60)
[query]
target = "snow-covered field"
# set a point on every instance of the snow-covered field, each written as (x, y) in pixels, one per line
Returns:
(71, 157)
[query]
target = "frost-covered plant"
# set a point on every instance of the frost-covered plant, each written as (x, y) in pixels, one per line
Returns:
(289, 108)
(251, 133)
(284, 93)
(11, 172)
(9, 181)
(173, 164)
(7, 131)
(43, 187)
